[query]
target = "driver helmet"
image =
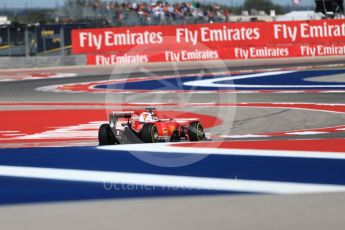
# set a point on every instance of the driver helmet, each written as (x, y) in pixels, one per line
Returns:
(147, 117)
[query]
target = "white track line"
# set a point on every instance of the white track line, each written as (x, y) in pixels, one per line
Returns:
(167, 148)
(306, 133)
(212, 82)
(166, 181)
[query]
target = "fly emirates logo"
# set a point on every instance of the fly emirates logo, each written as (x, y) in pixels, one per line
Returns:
(110, 39)
(308, 31)
(224, 34)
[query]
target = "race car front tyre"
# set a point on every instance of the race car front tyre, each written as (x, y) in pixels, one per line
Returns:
(105, 135)
(196, 132)
(149, 133)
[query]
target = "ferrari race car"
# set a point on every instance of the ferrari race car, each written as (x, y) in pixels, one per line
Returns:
(145, 127)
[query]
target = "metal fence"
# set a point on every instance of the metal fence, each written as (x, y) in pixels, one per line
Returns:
(22, 40)
(13, 40)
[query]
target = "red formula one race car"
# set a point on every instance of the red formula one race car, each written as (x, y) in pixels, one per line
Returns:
(136, 127)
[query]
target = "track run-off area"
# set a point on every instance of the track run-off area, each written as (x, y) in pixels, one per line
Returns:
(282, 131)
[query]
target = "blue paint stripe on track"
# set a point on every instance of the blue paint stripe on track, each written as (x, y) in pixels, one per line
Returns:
(302, 170)
(293, 78)
(21, 191)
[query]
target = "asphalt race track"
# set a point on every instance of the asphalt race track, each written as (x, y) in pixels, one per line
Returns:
(275, 158)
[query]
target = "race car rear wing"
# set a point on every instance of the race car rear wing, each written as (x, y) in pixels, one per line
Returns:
(114, 116)
(126, 115)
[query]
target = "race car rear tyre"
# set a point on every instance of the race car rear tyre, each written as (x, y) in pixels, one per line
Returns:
(196, 132)
(149, 133)
(105, 135)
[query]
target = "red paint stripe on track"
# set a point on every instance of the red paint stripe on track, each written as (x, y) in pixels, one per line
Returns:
(61, 125)
(33, 122)
(37, 121)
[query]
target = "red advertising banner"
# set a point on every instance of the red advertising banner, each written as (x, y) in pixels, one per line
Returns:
(212, 36)
(230, 53)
